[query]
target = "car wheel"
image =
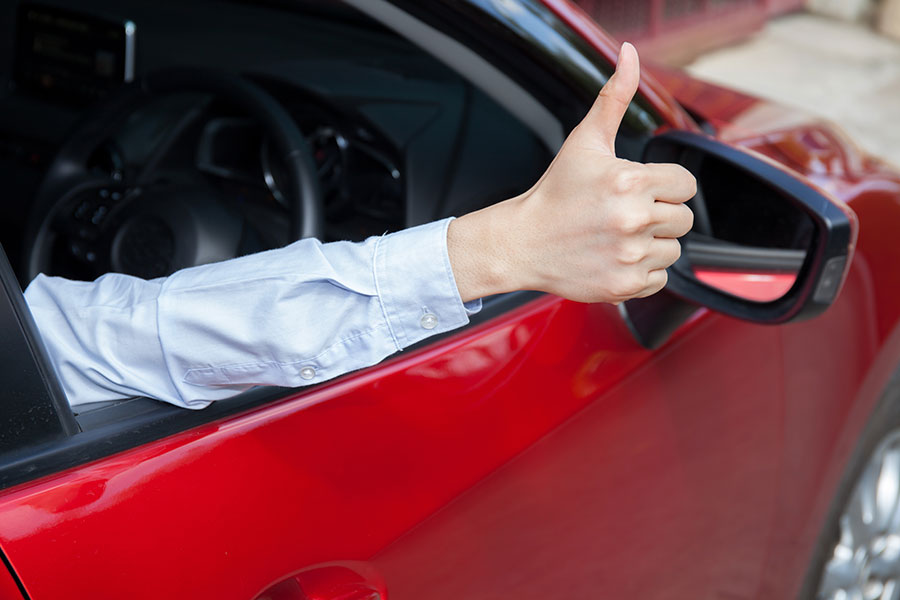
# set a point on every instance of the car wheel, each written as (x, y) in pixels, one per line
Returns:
(858, 554)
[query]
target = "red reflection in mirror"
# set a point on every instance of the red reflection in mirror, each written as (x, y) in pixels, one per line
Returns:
(755, 286)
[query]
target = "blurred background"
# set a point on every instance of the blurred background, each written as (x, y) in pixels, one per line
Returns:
(836, 58)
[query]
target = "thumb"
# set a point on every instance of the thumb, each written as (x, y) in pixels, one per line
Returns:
(605, 116)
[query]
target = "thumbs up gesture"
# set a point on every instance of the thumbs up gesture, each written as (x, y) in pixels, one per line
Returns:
(594, 228)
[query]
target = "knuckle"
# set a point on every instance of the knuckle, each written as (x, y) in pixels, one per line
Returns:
(626, 180)
(631, 253)
(659, 282)
(656, 281)
(631, 220)
(628, 284)
(608, 93)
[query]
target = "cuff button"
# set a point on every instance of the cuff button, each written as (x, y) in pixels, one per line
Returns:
(307, 372)
(429, 321)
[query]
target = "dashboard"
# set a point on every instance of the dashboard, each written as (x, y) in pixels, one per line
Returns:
(66, 53)
(398, 138)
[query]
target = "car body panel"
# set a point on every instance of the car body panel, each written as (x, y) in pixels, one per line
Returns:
(336, 473)
(340, 472)
(543, 453)
(635, 496)
(9, 589)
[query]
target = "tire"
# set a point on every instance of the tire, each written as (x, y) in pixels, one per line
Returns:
(870, 563)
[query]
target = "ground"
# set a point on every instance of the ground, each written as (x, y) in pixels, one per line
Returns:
(842, 71)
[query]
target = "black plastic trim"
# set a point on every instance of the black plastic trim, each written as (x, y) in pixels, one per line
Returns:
(652, 320)
(34, 408)
(733, 256)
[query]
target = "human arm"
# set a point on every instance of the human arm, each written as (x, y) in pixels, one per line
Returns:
(594, 228)
(293, 316)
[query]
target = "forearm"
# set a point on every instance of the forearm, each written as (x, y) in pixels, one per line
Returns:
(293, 316)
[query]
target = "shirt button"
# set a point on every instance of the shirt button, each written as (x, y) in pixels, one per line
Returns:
(307, 372)
(429, 321)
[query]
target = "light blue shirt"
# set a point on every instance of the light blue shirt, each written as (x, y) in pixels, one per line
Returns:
(294, 316)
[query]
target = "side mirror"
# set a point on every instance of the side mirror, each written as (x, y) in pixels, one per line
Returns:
(766, 246)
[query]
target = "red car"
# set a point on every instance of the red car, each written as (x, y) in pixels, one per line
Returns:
(727, 438)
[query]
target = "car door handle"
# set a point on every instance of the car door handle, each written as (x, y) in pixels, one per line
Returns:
(345, 580)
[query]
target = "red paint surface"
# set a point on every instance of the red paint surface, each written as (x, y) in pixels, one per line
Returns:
(8, 588)
(337, 473)
(541, 455)
(641, 495)
(673, 30)
(347, 580)
(655, 93)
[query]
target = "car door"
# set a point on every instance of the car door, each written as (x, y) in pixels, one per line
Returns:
(565, 457)
(543, 451)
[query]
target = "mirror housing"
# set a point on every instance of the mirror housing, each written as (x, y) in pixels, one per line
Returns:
(817, 233)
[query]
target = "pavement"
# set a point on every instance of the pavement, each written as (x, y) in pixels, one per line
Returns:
(843, 71)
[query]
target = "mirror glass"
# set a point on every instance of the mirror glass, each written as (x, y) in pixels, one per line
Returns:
(748, 239)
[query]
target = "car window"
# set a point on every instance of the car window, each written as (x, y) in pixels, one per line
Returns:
(414, 124)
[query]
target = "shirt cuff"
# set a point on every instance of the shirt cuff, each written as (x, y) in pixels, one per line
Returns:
(415, 282)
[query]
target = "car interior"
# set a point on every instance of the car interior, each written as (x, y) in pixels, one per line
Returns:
(396, 137)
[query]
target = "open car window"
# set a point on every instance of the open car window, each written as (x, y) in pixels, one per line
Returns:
(402, 136)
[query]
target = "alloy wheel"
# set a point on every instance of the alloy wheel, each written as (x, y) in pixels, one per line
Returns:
(865, 563)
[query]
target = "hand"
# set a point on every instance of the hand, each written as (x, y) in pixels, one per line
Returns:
(594, 228)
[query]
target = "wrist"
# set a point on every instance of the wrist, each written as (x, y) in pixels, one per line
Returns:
(482, 252)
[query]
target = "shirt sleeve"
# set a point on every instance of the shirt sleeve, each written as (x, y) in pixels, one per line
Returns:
(294, 316)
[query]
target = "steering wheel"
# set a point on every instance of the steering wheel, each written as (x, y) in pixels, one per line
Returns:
(140, 226)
